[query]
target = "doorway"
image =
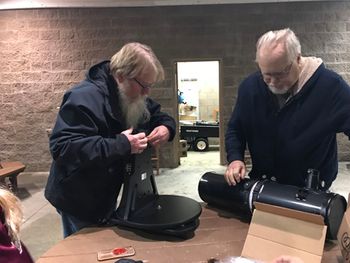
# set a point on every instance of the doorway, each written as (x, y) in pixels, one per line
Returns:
(197, 85)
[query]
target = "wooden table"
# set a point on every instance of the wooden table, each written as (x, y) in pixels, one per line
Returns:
(220, 234)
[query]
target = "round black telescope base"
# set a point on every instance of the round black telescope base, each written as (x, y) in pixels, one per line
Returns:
(168, 214)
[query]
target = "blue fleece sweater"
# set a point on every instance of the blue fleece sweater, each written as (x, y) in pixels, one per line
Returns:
(285, 142)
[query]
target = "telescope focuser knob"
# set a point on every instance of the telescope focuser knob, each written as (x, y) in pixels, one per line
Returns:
(312, 179)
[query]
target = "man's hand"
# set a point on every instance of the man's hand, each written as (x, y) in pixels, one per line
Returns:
(235, 172)
(158, 136)
(138, 142)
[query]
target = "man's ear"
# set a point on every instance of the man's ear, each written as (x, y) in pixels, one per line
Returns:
(298, 59)
(120, 78)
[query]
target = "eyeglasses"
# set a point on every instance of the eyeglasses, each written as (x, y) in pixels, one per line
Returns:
(144, 86)
(278, 75)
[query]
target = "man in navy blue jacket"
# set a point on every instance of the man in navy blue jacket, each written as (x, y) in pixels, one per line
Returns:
(288, 115)
(101, 122)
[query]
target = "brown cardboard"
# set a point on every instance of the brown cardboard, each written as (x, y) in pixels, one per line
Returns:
(344, 234)
(276, 231)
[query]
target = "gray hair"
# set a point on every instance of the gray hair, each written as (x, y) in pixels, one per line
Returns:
(285, 36)
(132, 59)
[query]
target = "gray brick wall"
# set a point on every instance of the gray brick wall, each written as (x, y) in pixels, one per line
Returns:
(44, 52)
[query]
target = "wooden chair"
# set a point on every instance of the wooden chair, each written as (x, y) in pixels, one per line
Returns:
(155, 159)
(10, 170)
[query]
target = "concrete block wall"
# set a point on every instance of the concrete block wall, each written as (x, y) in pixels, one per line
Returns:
(43, 52)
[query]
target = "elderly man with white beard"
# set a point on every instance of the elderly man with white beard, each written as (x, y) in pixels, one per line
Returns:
(101, 122)
(288, 115)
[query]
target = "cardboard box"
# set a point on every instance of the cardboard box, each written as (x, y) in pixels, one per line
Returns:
(344, 235)
(276, 231)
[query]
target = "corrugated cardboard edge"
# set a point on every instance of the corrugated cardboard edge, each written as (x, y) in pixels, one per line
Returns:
(290, 213)
(276, 230)
(344, 234)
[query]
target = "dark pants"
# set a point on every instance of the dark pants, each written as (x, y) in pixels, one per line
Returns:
(72, 224)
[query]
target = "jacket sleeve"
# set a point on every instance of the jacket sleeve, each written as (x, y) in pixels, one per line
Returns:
(235, 139)
(340, 101)
(161, 118)
(77, 139)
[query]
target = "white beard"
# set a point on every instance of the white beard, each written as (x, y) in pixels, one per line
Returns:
(135, 112)
(284, 90)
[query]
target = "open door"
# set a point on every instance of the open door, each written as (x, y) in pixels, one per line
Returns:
(198, 88)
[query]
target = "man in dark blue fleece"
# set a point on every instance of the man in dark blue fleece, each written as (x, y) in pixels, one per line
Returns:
(287, 114)
(101, 122)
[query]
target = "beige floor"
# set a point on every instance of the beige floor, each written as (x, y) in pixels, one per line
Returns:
(42, 226)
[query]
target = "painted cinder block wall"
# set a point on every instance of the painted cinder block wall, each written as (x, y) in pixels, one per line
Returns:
(43, 52)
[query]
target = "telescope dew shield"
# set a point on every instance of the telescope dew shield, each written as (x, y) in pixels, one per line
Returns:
(214, 190)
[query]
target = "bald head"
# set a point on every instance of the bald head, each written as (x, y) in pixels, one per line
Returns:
(278, 43)
(273, 56)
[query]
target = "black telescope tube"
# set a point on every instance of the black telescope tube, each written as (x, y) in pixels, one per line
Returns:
(214, 190)
(330, 206)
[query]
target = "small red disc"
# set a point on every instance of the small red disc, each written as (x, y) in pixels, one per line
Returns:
(118, 251)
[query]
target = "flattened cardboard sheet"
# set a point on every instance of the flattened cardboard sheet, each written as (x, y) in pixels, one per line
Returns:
(275, 231)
